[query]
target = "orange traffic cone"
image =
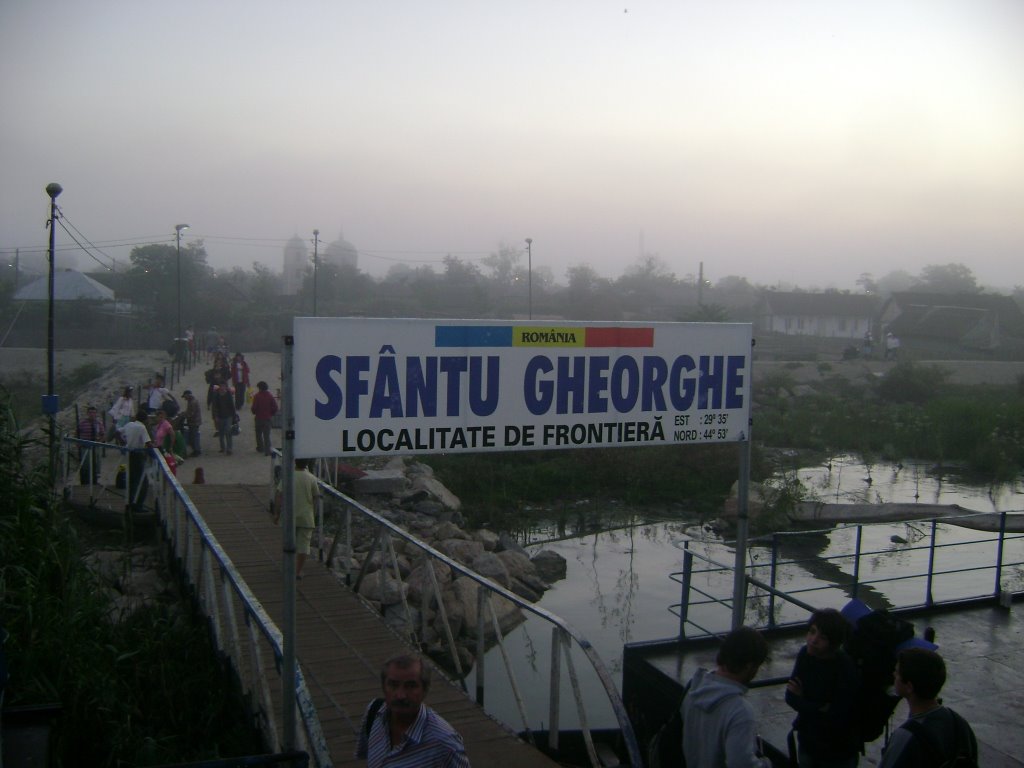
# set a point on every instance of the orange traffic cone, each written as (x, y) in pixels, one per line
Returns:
(200, 478)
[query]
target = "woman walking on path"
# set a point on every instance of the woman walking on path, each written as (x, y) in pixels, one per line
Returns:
(264, 406)
(239, 378)
(224, 415)
(121, 412)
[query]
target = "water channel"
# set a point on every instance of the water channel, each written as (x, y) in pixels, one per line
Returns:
(618, 586)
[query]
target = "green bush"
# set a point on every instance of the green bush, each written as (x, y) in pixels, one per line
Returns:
(148, 689)
(910, 383)
(495, 488)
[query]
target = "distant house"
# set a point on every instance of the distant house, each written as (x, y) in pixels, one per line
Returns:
(973, 321)
(825, 315)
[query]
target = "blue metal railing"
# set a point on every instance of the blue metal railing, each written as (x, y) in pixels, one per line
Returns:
(563, 635)
(241, 628)
(847, 575)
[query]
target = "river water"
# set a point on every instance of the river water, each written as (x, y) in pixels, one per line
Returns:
(618, 587)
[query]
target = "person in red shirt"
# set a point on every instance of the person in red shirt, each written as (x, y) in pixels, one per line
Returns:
(264, 406)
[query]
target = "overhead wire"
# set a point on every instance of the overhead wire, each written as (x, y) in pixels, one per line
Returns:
(87, 251)
(113, 262)
(389, 255)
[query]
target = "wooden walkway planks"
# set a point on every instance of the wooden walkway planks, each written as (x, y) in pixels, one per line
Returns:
(340, 642)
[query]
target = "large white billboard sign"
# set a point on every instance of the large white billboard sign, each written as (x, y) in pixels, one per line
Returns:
(370, 387)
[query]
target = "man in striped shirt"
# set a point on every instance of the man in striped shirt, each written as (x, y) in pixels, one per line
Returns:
(400, 731)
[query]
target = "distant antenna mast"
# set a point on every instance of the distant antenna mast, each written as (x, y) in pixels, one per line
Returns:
(700, 285)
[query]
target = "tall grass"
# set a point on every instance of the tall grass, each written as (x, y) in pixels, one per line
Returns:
(498, 489)
(147, 689)
(23, 389)
(913, 412)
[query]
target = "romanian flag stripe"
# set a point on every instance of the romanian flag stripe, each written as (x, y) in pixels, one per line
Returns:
(620, 337)
(542, 336)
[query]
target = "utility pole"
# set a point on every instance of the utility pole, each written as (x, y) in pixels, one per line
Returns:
(316, 263)
(529, 274)
(51, 402)
(177, 338)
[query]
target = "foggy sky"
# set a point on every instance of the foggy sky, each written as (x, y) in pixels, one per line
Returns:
(796, 141)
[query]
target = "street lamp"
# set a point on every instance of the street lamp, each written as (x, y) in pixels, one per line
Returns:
(50, 402)
(177, 239)
(529, 273)
(316, 262)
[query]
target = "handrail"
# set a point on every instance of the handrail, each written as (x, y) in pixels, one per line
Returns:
(856, 582)
(186, 532)
(561, 629)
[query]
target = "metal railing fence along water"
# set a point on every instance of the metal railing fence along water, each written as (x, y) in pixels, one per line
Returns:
(932, 572)
(240, 627)
(563, 636)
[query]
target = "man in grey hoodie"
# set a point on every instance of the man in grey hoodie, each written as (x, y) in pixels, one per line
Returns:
(719, 727)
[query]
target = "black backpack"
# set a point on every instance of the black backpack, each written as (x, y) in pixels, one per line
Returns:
(872, 646)
(375, 706)
(934, 756)
(170, 406)
(665, 749)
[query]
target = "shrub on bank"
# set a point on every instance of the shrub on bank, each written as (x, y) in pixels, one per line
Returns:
(496, 487)
(149, 689)
(913, 412)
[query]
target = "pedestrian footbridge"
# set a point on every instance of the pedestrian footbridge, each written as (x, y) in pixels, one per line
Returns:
(229, 552)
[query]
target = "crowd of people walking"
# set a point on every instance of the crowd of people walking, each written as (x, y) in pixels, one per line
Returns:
(173, 423)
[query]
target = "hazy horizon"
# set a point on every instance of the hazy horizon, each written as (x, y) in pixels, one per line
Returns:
(794, 142)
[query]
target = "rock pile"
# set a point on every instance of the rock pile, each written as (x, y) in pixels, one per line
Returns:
(408, 495)
(132, 578)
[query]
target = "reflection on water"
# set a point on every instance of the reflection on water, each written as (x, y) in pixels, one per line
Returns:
(847, 479)
(618, 590)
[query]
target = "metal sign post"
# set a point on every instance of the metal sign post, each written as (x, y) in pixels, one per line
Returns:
(288, 671)
(739, 586)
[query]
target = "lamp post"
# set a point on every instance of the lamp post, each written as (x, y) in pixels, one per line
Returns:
(177, 243)
(50, 402)
(316, 263)
(529, 274)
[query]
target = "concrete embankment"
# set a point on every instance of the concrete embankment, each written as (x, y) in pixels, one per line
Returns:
(827, 514)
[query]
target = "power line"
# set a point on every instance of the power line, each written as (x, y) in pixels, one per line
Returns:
(123, 243)
(113, 262)
(87, 252)
(391, 255)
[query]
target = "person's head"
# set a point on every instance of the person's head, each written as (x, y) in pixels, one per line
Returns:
(160, 415)
(741, 653)
(262, 386)
(128, 392)
(158, 380)
(187, 394)
(91, 411)
(920, 674)
(301, 464)
(141, 415)
(826, 630)
(239, 356)
(405, 681)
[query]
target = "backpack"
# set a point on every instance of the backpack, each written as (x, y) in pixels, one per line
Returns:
(665, 749)
(371, 714)
(169, 406)
(933, 755)
(872, 646)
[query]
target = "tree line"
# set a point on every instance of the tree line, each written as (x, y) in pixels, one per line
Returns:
(247, 305)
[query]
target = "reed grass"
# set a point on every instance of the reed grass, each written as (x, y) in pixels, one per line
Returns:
(147, 689)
